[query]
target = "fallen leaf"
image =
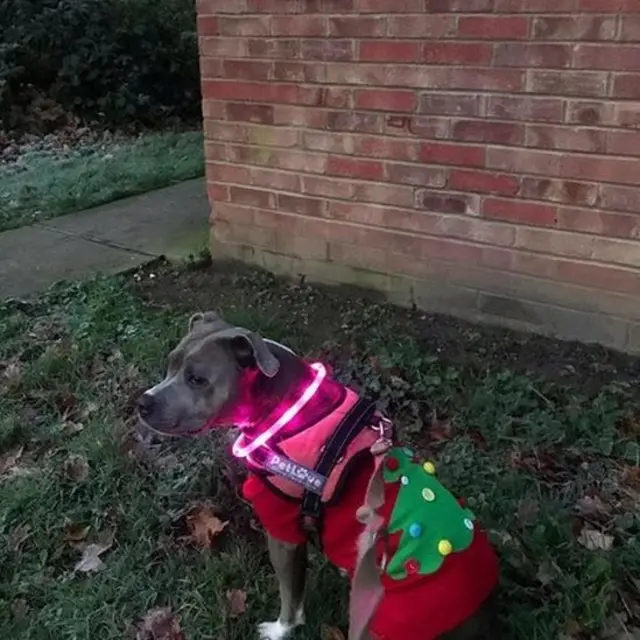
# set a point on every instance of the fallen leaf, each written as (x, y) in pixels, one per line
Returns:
(595, 540)
(9, 460)
(592, 507)
(19, 609)
(66, 404)
(331, 633)
(69, 428)
(237, 602)
(439, 430)
(76, 532)
(90, 561)
(160, 624)
(17, 537)
(89, 409)
(204, 526)
(76, 467)
(11, 371)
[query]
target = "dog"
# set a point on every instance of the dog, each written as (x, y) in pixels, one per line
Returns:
(324, 466)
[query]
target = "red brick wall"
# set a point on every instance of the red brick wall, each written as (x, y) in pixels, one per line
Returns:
(478, 157)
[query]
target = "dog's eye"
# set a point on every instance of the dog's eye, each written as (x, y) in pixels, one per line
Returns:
(196, 381)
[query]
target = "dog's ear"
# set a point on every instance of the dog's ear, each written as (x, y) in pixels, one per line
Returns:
(249, 349)
(199, 319)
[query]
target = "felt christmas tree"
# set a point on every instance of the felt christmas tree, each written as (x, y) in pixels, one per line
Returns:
(433, 524)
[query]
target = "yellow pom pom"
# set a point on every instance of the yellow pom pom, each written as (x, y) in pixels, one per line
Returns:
(429, 467)
(445, 548)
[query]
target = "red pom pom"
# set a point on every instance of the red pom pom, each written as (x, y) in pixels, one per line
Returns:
(392, 464)
(412, 566)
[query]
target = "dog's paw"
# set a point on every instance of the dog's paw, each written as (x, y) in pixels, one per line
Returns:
(274, 630)
(278, 630)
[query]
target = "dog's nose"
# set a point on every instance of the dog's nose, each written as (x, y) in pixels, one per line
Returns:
(146, 403)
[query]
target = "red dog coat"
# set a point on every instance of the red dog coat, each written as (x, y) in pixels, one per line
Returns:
(437, 566)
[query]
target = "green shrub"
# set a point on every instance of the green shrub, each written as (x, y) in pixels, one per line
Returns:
(111, 60)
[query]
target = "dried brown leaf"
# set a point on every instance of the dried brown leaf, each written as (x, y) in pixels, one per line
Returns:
(66, 404)
(75, 531)
(237, 602)
(331, 633)
(204, 526)
(76, 468)
(159, 624)
(595, 540)
(90, 561)
(17, 537)
(9, 460)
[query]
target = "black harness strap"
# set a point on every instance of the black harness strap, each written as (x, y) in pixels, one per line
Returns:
(359, 417)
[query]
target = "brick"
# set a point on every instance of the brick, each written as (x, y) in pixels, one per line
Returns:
(390, 51)
(560, 191)
(272, 48)
(429, 127)
(525, 109)
(260, 92)
(382, 147)
(328, 49)
(241, 111)
(223, 47)
(599, 222)
(387, 194)
(289, 159)
(364, 74)
(299, 25)
(555, 242)
(270, 6)
(574, 27)
(616, 57)
(354, 121)
(517, 54)
(626, 114)
(606, 169)
(328, 187)
(599, 276)
(450, 104)
(335, 97)
(232, 213)
(518, 160)
(568, 83)
(626, 85)
(457, 53)
(292, 71)
(441, 153)
(252, 197)
(207, 25)
(590, 113)
(381, 100)
(494, 27)
(566, 138)
(601, 6)
(483, 182)
(519, 211)
(623, 143)
(324, 6)
(244, 26)
(228, 173)
(247, 69)
(215, 151)
(482, 79)
(389, 6)
(421, 26)
(489, 132)
(331, 142)
(273, 179)
(214, 109)
(630, 28)
(613, 251)
(211, 67)
(535, 6)
(218, 192)
(415, 174)
(620, 198)
(355, 168)
(301, 205)
(356, 27)
(466, 6)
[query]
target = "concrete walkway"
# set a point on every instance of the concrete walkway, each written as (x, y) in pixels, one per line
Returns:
(171, 222)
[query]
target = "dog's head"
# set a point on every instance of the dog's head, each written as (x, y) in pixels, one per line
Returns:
(204, 376)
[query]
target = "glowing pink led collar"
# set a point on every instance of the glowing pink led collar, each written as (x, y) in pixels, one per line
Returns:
(242, 450)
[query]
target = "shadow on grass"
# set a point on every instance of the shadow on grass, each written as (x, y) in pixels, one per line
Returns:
(543, 452)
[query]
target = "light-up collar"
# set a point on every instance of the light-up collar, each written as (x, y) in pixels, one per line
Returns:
(243, 449)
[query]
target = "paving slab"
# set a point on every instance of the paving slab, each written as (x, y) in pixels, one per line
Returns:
(173, 221)
(32, 259)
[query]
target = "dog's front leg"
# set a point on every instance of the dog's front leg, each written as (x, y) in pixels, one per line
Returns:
(290, 564)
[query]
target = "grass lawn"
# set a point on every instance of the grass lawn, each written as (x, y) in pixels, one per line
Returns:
(541, 437)
(47, 184)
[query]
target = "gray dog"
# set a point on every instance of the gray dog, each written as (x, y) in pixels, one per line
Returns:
(324, 467)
